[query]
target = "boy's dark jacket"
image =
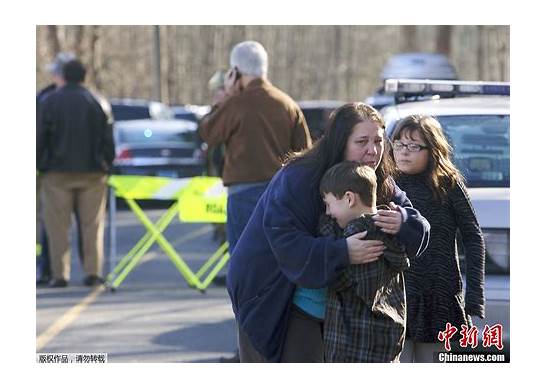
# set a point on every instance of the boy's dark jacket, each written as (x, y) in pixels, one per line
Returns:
(366, 305)
(280, 248)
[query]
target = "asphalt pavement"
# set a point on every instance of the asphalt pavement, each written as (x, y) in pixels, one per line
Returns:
(153, 316)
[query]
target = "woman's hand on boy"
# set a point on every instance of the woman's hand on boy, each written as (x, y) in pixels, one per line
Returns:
(389, 221)
(363, 251)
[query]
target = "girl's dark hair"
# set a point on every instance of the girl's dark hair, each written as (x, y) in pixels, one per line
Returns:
(330, 149)
(442, 173)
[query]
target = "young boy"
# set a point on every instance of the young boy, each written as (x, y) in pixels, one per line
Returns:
(365, 317)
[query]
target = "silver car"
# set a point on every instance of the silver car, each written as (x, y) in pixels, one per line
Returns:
(169, 148)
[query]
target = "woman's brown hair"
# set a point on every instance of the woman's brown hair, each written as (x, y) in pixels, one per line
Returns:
(443, 174)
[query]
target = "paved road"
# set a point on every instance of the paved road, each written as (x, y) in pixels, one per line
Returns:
(153, 316)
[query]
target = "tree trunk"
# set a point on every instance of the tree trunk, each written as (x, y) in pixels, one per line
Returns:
(409, 38)
(92, 62)
(339, 63)
(481, 54)
(53, 41)
(443, 40)
(501, 56)
(170, 64)
(77, 45)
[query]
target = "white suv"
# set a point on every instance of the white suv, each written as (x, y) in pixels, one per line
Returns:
(477, 126)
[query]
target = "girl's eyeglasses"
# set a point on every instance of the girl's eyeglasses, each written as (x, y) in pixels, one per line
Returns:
(412, 147)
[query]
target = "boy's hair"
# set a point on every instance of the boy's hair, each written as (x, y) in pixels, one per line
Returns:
(350, 176)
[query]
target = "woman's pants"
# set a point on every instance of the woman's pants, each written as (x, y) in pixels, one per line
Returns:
(303, 342)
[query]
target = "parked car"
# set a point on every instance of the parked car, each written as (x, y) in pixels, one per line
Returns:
(134, 109)
(169, 148)
(190, 111)
(181, 112)
(412, 66)
(476, 120)
(316, 114)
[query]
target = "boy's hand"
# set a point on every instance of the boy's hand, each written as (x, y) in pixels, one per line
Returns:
(389, 221)
(363, 251)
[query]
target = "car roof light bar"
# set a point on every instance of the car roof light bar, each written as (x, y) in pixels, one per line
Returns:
(403, 88)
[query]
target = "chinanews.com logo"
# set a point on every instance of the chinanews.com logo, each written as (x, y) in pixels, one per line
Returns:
(491, 339)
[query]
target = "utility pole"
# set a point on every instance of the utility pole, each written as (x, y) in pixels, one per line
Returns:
(156, 65)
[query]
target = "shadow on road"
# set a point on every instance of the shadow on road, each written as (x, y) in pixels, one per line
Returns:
(198, 338)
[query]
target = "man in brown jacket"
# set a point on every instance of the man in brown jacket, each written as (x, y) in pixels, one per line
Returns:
(258, 125)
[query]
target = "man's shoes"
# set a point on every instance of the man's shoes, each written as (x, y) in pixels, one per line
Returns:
(233, 359)
(58, 283)
(43, 280)
(93, 281)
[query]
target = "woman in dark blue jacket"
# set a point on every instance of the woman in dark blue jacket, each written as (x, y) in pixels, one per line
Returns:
(280, 248)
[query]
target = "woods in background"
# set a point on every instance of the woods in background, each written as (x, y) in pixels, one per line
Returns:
(308, 62)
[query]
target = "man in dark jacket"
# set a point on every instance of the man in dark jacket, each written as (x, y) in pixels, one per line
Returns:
(55, 69)
(75, 150)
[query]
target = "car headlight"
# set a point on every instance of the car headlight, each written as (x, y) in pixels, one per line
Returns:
(497, 250)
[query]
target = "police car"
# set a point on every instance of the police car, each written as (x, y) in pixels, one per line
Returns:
(475, 117)
(411, 65)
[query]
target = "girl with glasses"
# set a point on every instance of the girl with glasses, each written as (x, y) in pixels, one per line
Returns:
(434, 287)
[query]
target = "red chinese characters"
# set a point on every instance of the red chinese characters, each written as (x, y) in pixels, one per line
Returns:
(445, 336)
(469, 337)
(492, 336)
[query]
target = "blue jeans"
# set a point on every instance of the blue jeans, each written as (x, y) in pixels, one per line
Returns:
(242, 200)
(240, 206)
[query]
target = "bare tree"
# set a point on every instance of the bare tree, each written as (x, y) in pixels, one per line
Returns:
(409, 38)
(502, 56)
(481, 54)
(443, 40)
(308, 62)
(77, 44)
(171, 79)
(339, 64)
(53, 40)
(93, 39)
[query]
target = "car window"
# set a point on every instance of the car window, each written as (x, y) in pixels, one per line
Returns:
(130, 112)
(316, 119)
(146, 136)
(481, 148)
(186, 116)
